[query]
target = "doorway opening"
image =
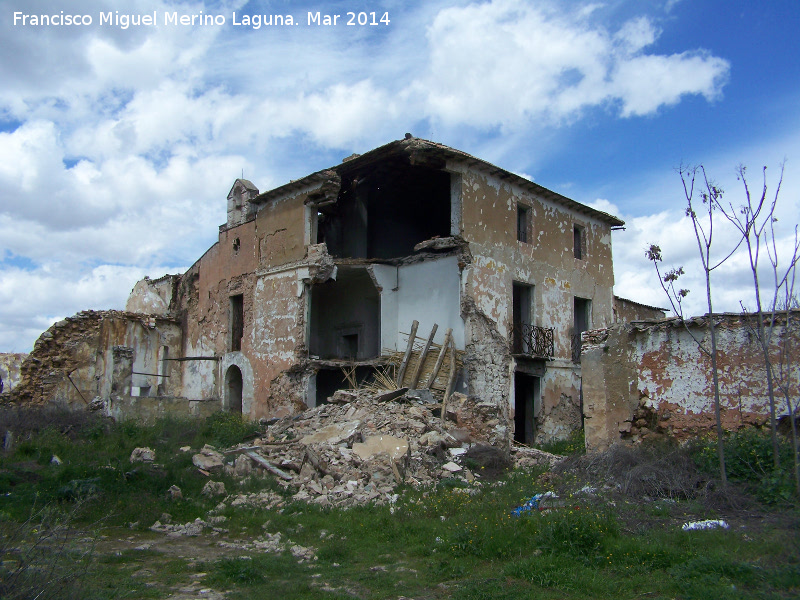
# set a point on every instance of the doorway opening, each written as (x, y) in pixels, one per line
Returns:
(233, 385)
(526, 395)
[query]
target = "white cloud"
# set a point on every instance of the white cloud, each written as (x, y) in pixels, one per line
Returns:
(506, 63)
(645, 83)
(30, 301)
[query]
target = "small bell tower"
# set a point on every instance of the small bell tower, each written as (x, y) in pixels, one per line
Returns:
(239, 198)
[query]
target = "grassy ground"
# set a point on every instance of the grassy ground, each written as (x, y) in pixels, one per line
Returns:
(80, 529)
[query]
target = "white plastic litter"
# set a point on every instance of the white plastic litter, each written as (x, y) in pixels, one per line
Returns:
(707, 524)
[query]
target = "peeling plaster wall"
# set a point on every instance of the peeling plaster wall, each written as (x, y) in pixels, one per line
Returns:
(276, 343)
(547, 262)
(264, 261)
(281, 229)
(10, 364)
(649, 378)
(153, 296)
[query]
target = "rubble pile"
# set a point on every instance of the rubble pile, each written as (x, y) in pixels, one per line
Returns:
(362, 444)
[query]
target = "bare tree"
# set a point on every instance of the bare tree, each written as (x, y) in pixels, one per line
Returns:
(786, 359)
(696, 182)
(755, 221)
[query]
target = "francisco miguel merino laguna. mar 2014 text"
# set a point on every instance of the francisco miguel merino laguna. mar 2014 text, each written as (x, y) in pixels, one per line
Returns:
(124, 21)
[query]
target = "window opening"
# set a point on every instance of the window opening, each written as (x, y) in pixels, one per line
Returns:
(350, 346)
(236, 322)
(523, 220)
(521, 305)
(577, 241)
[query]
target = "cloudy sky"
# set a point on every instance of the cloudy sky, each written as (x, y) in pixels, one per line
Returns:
(118, 145)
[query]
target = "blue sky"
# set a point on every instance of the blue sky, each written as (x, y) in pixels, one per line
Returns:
(118, 146)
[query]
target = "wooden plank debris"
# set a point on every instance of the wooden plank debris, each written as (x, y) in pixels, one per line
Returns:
(263, 462)
(403, 365)
(422, 357)
(440, 359)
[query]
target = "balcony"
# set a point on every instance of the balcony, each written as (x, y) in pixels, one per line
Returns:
(532, 340)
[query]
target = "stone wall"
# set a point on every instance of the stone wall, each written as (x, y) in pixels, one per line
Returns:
(104, 356)
(627, 310)
(649, 379)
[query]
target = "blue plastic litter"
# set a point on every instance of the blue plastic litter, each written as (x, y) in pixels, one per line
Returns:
(532, 504)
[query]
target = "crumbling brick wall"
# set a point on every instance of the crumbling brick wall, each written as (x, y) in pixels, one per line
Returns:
(649, 378)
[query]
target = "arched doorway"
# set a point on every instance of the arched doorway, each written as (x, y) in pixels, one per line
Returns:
(233, 386)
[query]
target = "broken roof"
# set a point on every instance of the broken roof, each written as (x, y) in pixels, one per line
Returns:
(421, 151)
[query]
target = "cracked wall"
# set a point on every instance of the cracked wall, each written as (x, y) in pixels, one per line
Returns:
(649, 379)
(75, 363)
(546, 262)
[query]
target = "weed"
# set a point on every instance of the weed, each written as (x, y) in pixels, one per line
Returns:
(39, 558)
(227, 429)
(573, 445)
(748, 459)
(576, 531)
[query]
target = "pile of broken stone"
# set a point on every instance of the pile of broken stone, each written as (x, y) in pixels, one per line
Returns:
(353, 450)
(358, 447)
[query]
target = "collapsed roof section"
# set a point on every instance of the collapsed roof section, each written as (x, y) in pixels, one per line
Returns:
(379, 205)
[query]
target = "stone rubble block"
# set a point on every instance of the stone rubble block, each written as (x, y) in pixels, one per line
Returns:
(396, 448)
(146, 455)
(208, 459)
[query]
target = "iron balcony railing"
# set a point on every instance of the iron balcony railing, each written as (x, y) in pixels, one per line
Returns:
(533, 340)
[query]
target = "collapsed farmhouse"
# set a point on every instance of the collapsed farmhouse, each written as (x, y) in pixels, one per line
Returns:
(415, 264)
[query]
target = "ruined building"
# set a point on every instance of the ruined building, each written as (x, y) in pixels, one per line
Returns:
(331, 270)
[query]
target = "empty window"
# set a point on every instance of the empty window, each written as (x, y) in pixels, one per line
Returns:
(582, 311)
(350, 346)
(236, 322)
(523, 220)
(236, 244)
(577, 241)
(522, 309)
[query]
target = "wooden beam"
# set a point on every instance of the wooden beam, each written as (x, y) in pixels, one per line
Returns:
(422, 357)
(440, 359)
(403, 365)
(263, 462)
(451, 380)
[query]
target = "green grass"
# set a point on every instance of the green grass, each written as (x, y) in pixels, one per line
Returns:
(447, 542)
(575, 443)
(749, 460)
